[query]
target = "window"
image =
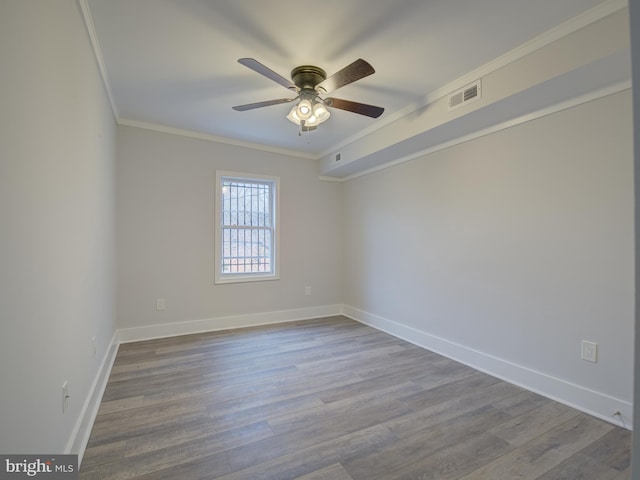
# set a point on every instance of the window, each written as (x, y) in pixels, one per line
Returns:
(246, 227)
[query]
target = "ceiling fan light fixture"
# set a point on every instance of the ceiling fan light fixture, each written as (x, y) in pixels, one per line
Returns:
(293, 116)
(309, 82)
(304, 109)
(312, 121)
(318, 113)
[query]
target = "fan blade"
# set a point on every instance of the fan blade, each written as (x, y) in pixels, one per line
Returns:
(268, 103)
(256, 66)
(349, 74)
(355, 107)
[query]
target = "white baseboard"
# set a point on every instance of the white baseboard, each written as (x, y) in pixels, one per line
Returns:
(594, 403)
(135, 334)
(80, 436)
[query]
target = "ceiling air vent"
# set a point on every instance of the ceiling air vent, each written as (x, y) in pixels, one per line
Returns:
(465, 95)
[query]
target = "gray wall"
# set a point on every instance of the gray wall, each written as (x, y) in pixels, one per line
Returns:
(57, 223)
(506, 251)
(166, 194)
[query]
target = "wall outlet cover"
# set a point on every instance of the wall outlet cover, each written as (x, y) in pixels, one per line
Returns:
(65, 396)
(589, 351)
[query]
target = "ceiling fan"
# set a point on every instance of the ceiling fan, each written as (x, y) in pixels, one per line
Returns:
(311, 84)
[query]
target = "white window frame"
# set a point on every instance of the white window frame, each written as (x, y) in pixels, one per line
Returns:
(220, 276)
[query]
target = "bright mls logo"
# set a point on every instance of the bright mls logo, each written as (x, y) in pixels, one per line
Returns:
(50, 467)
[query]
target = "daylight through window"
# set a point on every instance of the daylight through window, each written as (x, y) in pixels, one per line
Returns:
(246, 228)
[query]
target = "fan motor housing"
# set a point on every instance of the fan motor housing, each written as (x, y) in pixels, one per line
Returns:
(306, 77)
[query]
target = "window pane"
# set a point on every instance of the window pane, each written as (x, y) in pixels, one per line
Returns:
(246, 204)
(246, 250)
(247, 226)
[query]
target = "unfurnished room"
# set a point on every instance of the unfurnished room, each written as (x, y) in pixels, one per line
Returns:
(339, 240)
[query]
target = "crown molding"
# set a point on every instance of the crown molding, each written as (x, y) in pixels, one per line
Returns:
(213, 138)
(85, 12)
(573, 102)
(572, 25)
(564, 29)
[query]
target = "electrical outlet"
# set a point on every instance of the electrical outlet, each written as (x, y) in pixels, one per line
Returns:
(65, 396)
(160, 305)
(589, 351)
(307, 290)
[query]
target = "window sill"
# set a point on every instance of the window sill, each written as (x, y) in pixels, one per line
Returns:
(245, 278)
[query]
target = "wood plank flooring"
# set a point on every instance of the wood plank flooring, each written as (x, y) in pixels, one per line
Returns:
(331, 399)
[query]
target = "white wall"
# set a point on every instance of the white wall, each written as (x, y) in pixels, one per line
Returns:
(507, 251)
(165, 212)
(57, 238)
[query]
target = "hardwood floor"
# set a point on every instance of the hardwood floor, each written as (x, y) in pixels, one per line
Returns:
(331, 399)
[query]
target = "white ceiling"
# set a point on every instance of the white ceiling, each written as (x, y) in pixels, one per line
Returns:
(173, 63)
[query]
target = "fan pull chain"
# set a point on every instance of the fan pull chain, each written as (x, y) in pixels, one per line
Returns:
(302, 122)
(302, 130)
